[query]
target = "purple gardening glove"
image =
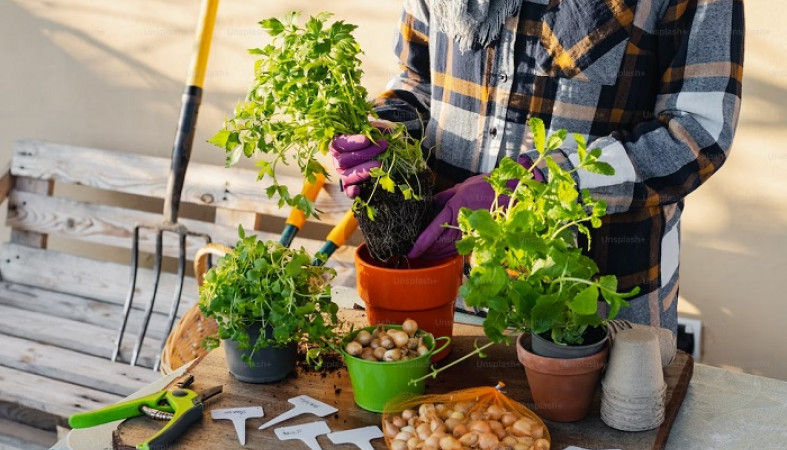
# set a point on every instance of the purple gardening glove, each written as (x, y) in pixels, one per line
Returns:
(436, 241)
(353, 157)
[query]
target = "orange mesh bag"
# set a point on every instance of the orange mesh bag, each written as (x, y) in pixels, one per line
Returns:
(477, 418)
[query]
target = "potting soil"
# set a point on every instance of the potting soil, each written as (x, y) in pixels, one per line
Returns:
(397, 222)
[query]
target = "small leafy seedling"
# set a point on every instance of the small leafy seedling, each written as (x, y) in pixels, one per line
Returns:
(265, 283)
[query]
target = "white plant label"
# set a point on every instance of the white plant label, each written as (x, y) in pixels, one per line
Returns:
(303, 405)
(238, 416)
(306, 432)
(360, 437)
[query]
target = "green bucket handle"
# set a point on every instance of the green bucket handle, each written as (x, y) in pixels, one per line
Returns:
(441, 348)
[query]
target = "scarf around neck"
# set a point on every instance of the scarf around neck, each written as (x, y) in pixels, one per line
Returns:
(473, 21)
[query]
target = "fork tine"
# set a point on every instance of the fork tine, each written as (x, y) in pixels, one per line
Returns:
(176, 297)
(149, 309)
(130, 294)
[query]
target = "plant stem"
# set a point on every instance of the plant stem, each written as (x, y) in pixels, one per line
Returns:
(434, 372)
(568, 225)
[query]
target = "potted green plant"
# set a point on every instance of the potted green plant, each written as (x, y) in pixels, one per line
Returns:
(531, 276)
(266, 300)
(307, 90)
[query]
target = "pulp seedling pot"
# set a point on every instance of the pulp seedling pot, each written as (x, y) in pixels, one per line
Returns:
(375, 383)
(562, 389)
(424, 292)
(269, 364)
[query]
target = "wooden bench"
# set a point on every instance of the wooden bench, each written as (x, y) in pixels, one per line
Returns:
(64, 273)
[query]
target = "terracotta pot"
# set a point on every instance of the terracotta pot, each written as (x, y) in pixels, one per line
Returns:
(425, 292)
(562, 389)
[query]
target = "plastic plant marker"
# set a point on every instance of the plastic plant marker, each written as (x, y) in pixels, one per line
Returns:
(303, 405)
(358, 436)
(238, 417)
(306, 432)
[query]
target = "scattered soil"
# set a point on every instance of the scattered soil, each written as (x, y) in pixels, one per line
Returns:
(331, 362)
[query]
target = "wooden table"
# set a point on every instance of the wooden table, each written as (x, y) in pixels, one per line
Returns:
(333, 387)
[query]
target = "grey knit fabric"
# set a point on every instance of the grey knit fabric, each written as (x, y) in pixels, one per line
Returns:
(473, 21)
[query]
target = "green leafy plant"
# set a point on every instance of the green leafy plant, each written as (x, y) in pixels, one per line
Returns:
(265, 283)
(527, 268)
(307, 90)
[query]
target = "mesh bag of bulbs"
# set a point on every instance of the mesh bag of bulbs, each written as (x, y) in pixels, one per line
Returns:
(477, 418)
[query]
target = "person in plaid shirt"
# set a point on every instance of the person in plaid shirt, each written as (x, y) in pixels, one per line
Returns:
(656, 84)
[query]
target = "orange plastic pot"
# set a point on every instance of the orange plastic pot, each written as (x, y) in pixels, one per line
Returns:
(424, 292)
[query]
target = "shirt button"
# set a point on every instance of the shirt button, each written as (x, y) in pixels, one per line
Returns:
(493, 132)
(503, 77)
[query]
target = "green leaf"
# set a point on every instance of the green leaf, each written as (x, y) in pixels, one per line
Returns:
(482, 221)
(407, 191)
(220, 139)
(581, 142)
(273, 26)
(586, 301)
(377, 172)
(465, 245)
(545, 313)
(539, 134)
(233, 156)
(599, 167)
(387, 183)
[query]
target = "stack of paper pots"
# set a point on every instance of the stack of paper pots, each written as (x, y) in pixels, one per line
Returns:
(633, 389)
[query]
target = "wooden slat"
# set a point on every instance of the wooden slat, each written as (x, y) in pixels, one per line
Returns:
(85, 277)
(14, 435)
(105, 225)
(52, 396)
(80, 309)
(73, 367)
(5, 183)
(68, 334)
(31, 238)
(232, 218)
(147, 175)
(109, 225)
(27, 416)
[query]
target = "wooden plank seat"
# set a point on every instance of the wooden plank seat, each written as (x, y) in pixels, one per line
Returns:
(64, 273)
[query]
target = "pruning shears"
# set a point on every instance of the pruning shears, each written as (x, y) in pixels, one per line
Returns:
(180, 406)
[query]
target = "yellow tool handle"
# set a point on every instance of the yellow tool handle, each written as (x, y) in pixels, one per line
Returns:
(336, 238)
(204, 35)
(310, 190)
(343, 230)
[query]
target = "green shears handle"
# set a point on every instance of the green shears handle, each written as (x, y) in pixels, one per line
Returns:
(185, 405)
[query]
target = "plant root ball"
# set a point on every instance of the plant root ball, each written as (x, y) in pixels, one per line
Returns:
(397, 222)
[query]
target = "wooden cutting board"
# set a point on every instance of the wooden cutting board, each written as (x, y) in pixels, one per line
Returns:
(333, 387)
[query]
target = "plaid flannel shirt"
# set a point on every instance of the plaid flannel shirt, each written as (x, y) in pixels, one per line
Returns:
(656, 84)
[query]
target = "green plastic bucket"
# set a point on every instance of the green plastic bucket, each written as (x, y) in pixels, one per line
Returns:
(376, 382)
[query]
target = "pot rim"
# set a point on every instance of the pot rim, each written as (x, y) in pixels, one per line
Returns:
(559, 366)
(365, 260)
(433, 350)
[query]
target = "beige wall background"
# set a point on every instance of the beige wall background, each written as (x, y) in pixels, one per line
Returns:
(110, 74)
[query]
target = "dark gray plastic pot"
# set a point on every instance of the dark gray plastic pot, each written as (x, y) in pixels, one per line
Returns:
(269, 364)
(545, 347)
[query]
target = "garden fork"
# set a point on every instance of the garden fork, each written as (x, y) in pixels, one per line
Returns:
(181, 153)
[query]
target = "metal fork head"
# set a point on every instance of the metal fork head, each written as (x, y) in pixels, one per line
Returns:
(159, 229)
